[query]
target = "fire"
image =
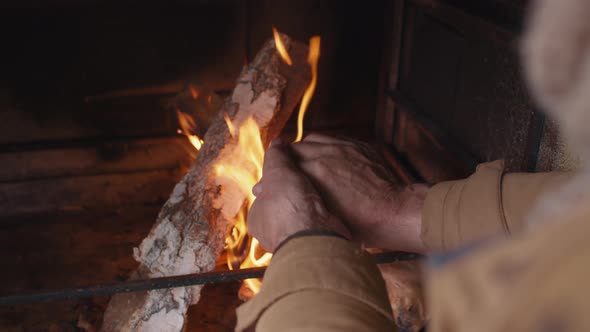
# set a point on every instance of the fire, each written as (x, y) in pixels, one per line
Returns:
(230, 126)
(194, 92)
(245, 171)
(281, 47)
(188, 125)
(312, 58)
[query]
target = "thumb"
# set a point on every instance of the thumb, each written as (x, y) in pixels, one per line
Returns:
(277, 156)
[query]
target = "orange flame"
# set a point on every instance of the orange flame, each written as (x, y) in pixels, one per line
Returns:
(312, 58)
(251, 150)
(281, 47)
(244, 170)
(188, 125)
(230, 125)
(194, 92)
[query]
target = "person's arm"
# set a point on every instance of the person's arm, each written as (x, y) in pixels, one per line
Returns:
(363, 192)
(317, 280)
(487, 203)
(418, 218)
(319, 283)
(533, 281)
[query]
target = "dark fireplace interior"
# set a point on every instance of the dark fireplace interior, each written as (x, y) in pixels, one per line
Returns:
(89, 146)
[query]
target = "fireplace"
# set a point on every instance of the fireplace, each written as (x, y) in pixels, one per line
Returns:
(90, 141)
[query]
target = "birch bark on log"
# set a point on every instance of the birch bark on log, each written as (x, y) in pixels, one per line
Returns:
(188, 236)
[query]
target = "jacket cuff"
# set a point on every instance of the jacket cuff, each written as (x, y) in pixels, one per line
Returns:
(308, 232)
(460, 212)
(325, 263)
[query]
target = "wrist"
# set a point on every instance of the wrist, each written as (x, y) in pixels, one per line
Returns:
(318, 222)
(411, 212)
(309, 232)
(402, 225)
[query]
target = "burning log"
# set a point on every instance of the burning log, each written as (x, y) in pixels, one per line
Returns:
(189, 233)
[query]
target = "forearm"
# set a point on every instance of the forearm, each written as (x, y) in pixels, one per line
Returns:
(319, 283)
(402, 219)
(485, 204)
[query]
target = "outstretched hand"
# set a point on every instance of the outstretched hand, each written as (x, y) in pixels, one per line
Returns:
(287, 202)
(358, 188)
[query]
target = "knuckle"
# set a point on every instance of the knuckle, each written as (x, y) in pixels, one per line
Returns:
(351, 150)
(304, 150)
(361, 147)
(272, 152)
(310, 136)
(336, 150)
(276, 174)
(313, 136)
(318, 168)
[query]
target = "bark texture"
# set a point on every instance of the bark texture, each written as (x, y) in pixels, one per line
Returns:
(188, 236)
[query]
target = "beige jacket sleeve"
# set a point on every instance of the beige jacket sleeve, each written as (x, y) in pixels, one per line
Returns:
(487, 203)
(532, 281)
(319, 283)
(323, 283)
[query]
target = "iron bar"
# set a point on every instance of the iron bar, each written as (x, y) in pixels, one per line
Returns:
(169, 282)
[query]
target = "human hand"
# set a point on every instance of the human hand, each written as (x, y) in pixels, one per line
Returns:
(287, 203)
(359, 189)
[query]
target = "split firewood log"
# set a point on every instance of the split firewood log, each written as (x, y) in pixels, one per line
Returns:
(188, 236)
(406, 294)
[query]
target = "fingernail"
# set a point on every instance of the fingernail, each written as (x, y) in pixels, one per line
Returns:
(276, 141)
(256, 190)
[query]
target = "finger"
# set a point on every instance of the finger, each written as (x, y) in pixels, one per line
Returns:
(257, 189)
(276, 142)
(313, 171)
(308, 151)
(255, 220)
(274, 154)
(277, 156)
(324, 139)
(320, 138)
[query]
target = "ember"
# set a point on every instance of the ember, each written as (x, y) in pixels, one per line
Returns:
(188, 126)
